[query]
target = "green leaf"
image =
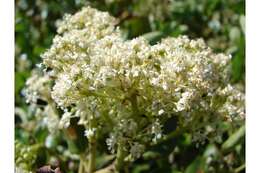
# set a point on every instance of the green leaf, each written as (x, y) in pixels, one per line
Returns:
(234, 34)
(196, 166)
(242, 23)
(150, 155)
(140, 168)
(153, 37)
(234, 139)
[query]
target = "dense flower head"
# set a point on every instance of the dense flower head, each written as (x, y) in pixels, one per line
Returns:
(129, 89)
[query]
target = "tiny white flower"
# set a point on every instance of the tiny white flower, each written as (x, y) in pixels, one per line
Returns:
(89, 133)
(65, 120)
(160, 112)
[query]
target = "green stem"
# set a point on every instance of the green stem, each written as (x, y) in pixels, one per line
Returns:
(82, 163)
(171, 135)
(133, 100)
(119, 165)
(81, 170)
(92, 155)
(240, 168)
(126, 168)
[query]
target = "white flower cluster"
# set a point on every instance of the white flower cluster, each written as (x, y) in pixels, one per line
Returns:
(132, 87)
(37, 88)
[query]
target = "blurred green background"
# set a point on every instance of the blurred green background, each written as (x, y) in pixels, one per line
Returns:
(221, 23)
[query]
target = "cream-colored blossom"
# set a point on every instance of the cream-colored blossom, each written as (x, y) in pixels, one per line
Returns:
(119, 87)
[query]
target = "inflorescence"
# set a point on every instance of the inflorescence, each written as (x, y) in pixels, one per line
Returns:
(128, 89)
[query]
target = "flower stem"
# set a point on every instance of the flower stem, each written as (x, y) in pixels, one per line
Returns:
(92, 155)
(81, 170)
(119, 165)
(133, 100)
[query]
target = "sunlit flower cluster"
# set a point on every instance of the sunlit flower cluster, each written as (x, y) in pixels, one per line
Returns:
(128, 89)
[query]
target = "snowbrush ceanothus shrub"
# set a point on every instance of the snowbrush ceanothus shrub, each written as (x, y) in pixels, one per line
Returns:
(127, 89)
